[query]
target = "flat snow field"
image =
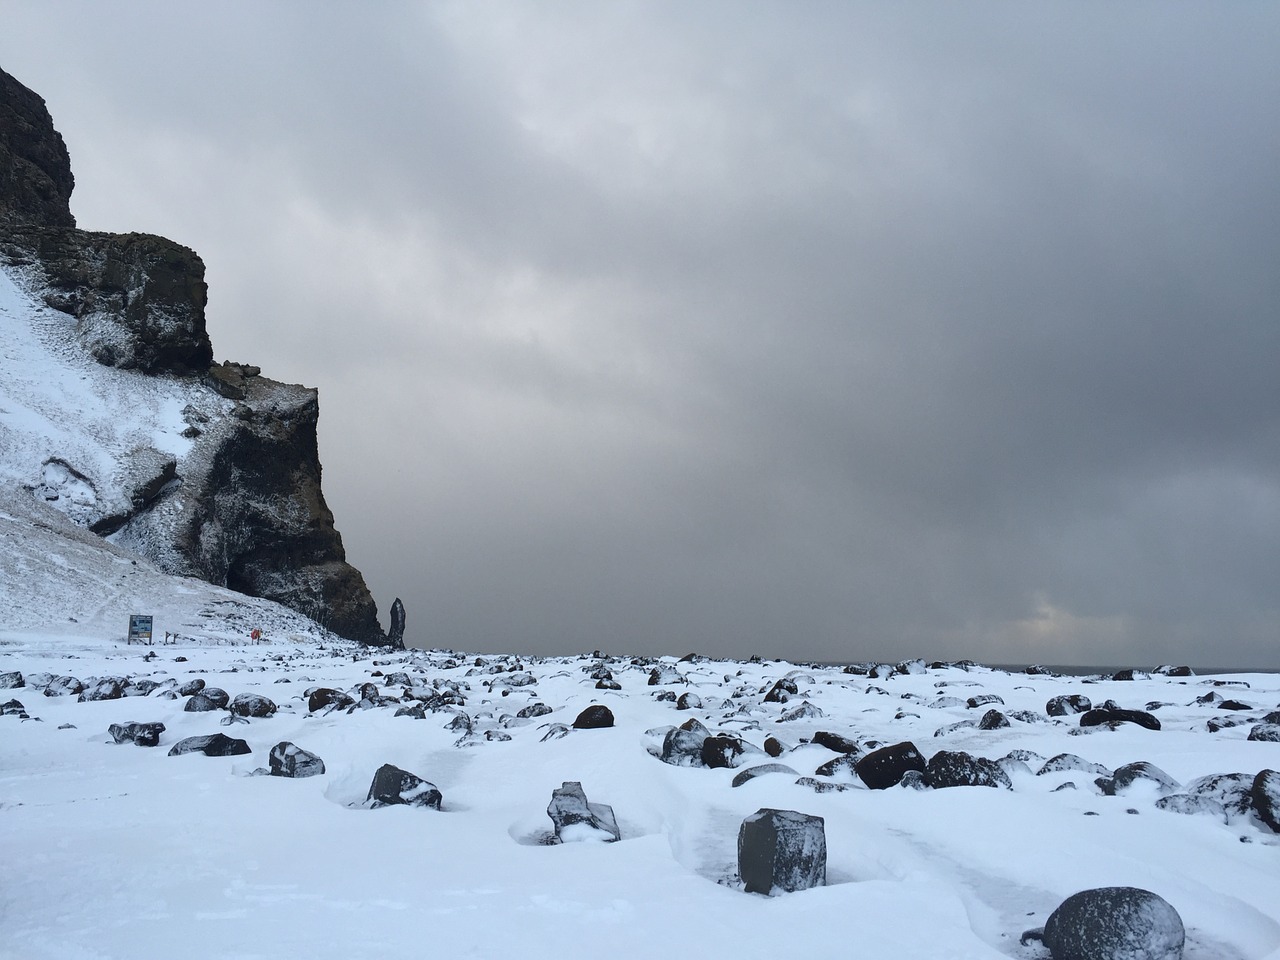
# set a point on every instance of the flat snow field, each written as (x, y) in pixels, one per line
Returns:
(121, 851)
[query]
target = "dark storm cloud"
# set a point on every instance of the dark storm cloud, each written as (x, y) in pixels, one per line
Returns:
(836, 331)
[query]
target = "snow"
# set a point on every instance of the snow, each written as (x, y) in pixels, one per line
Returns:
(121, 851)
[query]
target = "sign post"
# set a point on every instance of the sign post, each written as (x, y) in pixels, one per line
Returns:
(140, 628)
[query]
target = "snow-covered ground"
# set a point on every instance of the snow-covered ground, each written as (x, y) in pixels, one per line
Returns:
(123, 851)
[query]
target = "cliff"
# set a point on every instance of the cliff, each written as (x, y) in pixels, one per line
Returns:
(206, 470)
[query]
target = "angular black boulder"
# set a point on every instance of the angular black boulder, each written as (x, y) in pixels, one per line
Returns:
(723, 750)
(1115, 923)
(782, 851)
(576, 819)
(1067, 704)
(213, 745)
(326, 698)
(884, 768)
(391, 785)
(955, 768)
(836, 742)
(288, 760)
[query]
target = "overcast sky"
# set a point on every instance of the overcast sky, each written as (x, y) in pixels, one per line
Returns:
(827, 330)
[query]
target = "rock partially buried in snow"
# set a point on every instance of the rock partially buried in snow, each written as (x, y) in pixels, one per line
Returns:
(1266, 798)
(142, 734)
(213, 745)
(595, 717)
(885, 767)
(1113, 715)
(1115, 923)
(955, 768)
(12, 680)
(288, 760)
(391, 785)
(576, 819)
(782, 851)
(252, 705)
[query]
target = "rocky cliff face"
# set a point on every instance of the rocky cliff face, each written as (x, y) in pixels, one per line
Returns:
(241, 504)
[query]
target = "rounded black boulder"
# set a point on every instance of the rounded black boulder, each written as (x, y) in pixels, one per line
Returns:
(836, 742)
(391, 785)
(883, 768)
(1115, 923)
(252, 705)
(213, 745)
(191, 687)
(595, 717)
(722, 750)
(326, 697)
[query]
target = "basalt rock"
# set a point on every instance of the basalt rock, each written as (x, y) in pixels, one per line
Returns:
(395, 635)
(782, 851)
(885, 767)
(1115, 923)
(577, 819)
(213, 745)
(391, 785)
(288, 760)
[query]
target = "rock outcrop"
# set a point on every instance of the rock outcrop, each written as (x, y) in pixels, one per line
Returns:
(243, 508)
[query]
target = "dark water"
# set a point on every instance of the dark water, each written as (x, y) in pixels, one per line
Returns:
(1091, 670)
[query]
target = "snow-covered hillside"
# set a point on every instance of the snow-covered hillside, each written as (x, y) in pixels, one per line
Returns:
(114, 850)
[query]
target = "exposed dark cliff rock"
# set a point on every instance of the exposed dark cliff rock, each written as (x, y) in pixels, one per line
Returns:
(243, 507)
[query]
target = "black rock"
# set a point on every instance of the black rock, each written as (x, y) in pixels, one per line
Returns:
(1188, 806)
(417, 711)
(914, 780)
(1104, 715)
(142, 734)
(993, 720)
(108, 688)
(844, 765)
(191, 687)
(213, 745)
(774, 747)
(533, 710)
(955, 768)
(1265, 797)
(824, 786)
(1265, 732)
(689, 701)
(682, 746)
(1168, 671)
(328, 699)
(1232, 790)
(287, 760)
(664, 674)
(391, 785)
(1132, 773)
(833, 741)
(12, 708)
(1069, 761)
(782, 691)
(982, 699)
(595, 717)
(139, 688)
(1067, 704)
(724, 750)
(1114, 923)
(782, 851)
(63, 687)
(12, 680)
(199, 703)
(252, 705)
(1123, 675)
(886, 767)
(395, 636)
(608, 684)
(576, 819)
(750, 773)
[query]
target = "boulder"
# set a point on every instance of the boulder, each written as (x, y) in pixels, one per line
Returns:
(1114, 923)
(1067, 704)
(252, 705)
(328, 700)
(63, 687)
(213, 745)
(576, 819)
(416, 711)
(993, 720)
(725, 750)
(689, 701)
(395, 635)
(1188, 805)
(391, 785)
(595, 717)
(834, 741)
(1265, 797)
(1111, 715)
(12, 680)
(982, 699)
(750, 773)
(885, 767)
(12, 708)
(108, 688)
(1231, 790)
(1069, 761)
(142, 734)
(191, 687)
(664, 674)
(782, 691)
(782, 851)
(682, 745)
(955, 768)
(1265, 732)
(774, 747)
(288, 760)
(1137, 774)
(199, 703)
(533, 710)
(805, 711)
(843, 766)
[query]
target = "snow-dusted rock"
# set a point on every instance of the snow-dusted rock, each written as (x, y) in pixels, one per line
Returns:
(212, 745)
(955, 768)
(576, 819)
(1265, 795)
(1135, 775)
(727, 750)
(391, 785)
(682, 745)
(288, 760)
(1112, 715)
(191, 687)
(252, 705)
(782, 851)
(1066, 704)
(1069, 761)
(106, 688)
(328, 699)
(63, 687)
(993, 720)
(750, 773)
(12, 708)
(1115, 923)
(1265, 732)
(142, 734)
(885, 767)
(836, 742)
(12, 680)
